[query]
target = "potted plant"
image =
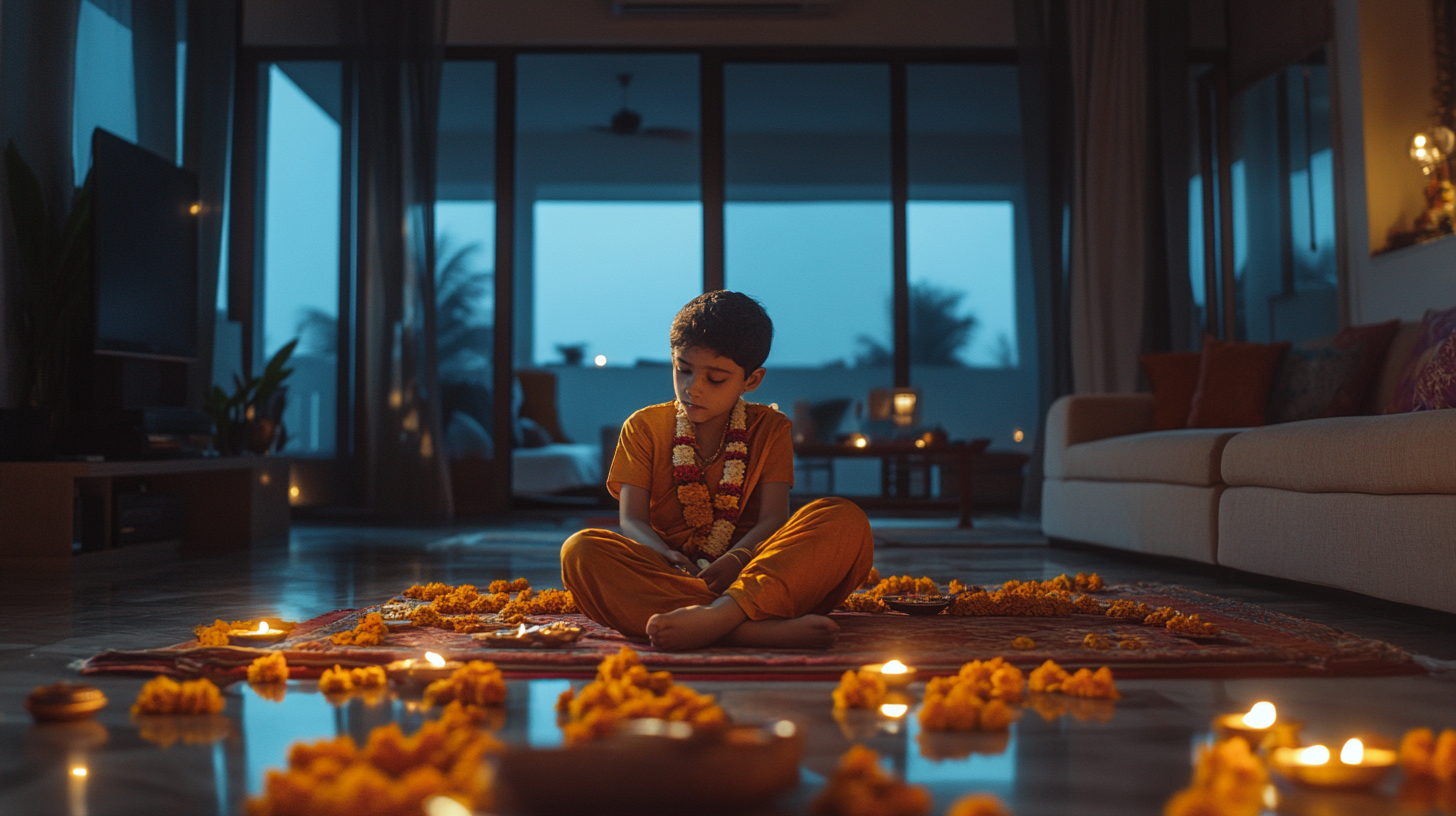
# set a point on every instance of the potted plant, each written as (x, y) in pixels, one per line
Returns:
(54, 262)
(251, 418)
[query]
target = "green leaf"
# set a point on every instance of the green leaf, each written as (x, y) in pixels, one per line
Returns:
(27, 208)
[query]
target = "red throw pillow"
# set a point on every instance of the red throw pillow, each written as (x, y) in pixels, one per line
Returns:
(1174, 377)
(1372, 341)
(1435, 328)
(1436, 382)
(1233, 383)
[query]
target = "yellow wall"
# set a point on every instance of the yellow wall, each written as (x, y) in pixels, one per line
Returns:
(1397, 70)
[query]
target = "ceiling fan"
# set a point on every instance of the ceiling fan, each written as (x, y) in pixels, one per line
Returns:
(627, 122)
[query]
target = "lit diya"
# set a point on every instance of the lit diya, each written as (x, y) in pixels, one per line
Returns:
(422, 672)
(1254, 726)
(918, 604)
(548, 635)
(264, 635)
(894, 673)
(1356, 767)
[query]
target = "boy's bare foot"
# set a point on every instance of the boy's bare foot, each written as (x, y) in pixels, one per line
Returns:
(806, 632)
(694, 627)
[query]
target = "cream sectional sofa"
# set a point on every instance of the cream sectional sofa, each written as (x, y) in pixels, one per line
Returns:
(1363, 503)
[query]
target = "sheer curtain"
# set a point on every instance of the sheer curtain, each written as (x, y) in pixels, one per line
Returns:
(1110, 191)
(399, 48)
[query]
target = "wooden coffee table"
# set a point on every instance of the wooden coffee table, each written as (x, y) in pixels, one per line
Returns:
(898, 459)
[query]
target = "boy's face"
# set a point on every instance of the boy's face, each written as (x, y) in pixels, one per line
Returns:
(708, 384)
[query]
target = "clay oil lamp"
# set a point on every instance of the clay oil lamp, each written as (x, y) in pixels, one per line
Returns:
(1254, 727)
(264, 635)
(1356, 768)
(423, 671)
(894, 673)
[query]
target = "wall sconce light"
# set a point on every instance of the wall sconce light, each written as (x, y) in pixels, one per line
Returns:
(1430, 149)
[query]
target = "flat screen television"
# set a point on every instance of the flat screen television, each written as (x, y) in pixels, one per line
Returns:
(145, 251)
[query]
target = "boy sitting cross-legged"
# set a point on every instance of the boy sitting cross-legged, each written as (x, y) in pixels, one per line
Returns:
(708, 552)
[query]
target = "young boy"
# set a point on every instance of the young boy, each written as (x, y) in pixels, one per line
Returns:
(708, 552)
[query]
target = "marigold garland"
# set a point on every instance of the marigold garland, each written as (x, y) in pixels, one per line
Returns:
(713, 518)
(1228, 779)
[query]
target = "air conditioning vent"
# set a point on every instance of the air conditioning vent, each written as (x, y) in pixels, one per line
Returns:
(720, 8)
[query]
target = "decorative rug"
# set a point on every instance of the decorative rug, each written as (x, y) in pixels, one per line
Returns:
(1254, 642)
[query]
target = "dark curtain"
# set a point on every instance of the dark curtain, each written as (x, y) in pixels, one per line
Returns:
(37, 81)
(398, 48)
(1045, 86)
(206, 147)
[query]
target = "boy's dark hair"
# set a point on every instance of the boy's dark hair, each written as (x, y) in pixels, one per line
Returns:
(731, 324)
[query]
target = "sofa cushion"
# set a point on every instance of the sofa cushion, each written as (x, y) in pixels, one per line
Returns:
(1392, 454)
(1187, 457)
(1174, 377)
(1435, 327)
(1233, 383)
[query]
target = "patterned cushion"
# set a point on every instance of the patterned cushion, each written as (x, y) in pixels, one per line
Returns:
(1436, 383)
(1435, 328)
(1310, 378)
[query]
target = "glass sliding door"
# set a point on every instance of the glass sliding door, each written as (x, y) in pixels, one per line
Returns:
(808, 231)
(608, 231)
(972, 336)
(300, 285)
(465, 258)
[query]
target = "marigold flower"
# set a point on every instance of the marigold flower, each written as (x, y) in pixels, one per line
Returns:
(477, 683)
(370, 632)
(860, 788)
(1095, 641)
(1048, 677)
(862, 689)
(977, 804)
(1023, 643)
(1087, 683)
(270, 668)
(1191, 625)
(163, 695)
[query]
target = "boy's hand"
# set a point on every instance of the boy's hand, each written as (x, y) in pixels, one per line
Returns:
(722, 573)
(679, 561)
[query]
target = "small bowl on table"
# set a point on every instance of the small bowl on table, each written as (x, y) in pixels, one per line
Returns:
(918, 604)
(64, 702)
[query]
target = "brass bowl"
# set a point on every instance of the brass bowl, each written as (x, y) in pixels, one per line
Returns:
(918, 605)
(64, 702)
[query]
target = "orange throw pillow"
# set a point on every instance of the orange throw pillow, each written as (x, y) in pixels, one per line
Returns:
(1233, 383)
(1174, 377)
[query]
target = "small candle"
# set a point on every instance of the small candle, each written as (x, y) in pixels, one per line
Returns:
(1357, 765)
(894, 710)
(264, 635)
(894, 673)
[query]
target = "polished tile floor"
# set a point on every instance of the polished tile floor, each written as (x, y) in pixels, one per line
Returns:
(1127, 764)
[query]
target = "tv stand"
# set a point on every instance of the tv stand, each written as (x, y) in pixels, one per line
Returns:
(229, 502)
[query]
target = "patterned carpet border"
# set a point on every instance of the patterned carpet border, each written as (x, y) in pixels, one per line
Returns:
(1255, 642)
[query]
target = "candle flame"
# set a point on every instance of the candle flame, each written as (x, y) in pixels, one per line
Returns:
(1314, 755)
(1353, 753)
(263, 627)
(895, 710)
(522, 631)
(894, 667)
(1262, 715)
(434, 660)
(79, 770)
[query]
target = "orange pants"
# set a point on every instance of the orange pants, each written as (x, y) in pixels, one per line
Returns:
(809, 566)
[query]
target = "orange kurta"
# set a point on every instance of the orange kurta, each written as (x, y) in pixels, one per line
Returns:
(809, 565)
